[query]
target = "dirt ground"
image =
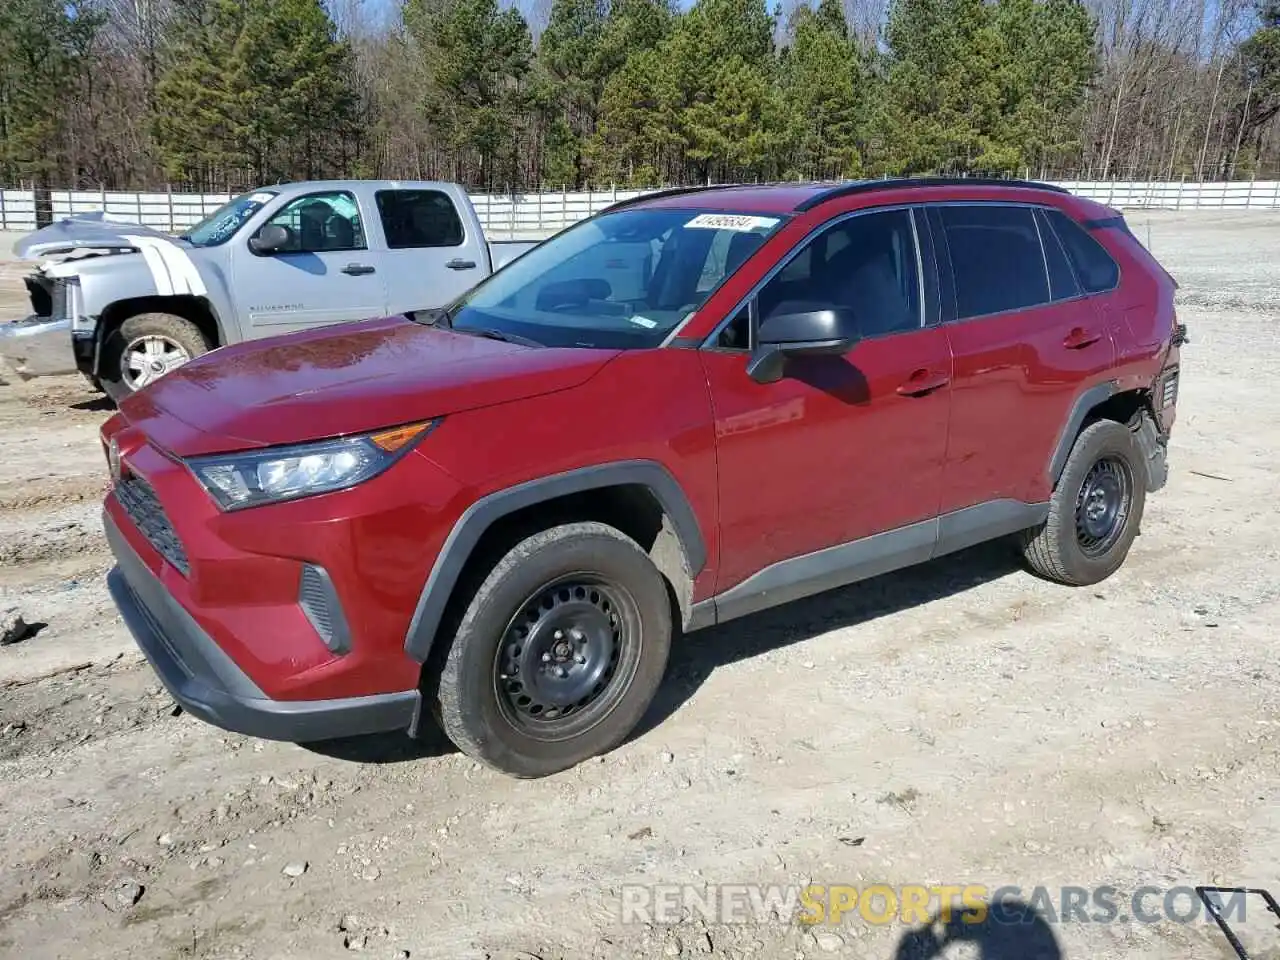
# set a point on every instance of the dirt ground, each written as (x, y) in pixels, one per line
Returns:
(961, 723)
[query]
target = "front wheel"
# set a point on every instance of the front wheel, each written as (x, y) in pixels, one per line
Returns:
(559, 652)
(144, 348)
(1095, 509)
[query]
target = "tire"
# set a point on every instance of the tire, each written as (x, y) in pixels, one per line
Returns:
(1072, 546)
(578, 587)
(177, 335)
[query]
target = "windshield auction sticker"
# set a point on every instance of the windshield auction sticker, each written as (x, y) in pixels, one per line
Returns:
(731, 221)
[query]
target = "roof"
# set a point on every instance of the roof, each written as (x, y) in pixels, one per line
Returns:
(798, 197)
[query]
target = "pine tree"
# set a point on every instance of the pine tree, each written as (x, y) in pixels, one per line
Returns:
(259, 87)
(476, 58)
(824, 87)
(42, 50)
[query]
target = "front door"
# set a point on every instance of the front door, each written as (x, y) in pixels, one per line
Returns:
(325, 274)
(841, 448)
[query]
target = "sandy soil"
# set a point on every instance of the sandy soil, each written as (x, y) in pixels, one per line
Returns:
(960, 723)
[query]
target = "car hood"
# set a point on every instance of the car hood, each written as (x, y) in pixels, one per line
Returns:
(86, 231)
(344, 379)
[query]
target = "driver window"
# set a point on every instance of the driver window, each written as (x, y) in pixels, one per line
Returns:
(866, 263)
(321, 222)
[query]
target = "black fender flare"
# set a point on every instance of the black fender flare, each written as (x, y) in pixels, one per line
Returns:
(1095, 395)
(470, 527)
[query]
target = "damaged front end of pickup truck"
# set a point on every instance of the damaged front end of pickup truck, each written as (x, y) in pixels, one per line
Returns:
(46, 343)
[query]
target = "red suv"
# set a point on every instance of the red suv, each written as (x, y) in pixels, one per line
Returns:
(690, 407)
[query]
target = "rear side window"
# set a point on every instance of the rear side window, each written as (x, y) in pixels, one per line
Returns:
(1062, 278)
(1098, 273)
(419, 218)
(996, 258)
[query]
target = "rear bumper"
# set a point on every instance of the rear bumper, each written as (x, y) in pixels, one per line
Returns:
(209, 685)
(38, 346)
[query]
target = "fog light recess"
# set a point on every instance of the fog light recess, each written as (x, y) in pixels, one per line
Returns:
(319, 602)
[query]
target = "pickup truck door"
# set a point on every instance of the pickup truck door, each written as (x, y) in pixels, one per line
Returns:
(435, 249)
(328, 273)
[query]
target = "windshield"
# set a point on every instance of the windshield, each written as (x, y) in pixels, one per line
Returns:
(222, 224)
(621, 280)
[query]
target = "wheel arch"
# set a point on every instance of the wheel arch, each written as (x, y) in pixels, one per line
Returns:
(1103, 401)
(199, 310)
(639, 497)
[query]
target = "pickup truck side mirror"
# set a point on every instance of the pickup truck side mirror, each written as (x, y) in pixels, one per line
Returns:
(803, 332)
(270, 239)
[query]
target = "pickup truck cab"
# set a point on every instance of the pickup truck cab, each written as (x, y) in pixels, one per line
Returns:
(126, 304)
(686, 409)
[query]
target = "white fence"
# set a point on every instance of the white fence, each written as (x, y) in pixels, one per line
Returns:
(538, 214)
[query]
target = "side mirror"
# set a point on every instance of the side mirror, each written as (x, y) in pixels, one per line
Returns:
(270, 239)
(823, 332)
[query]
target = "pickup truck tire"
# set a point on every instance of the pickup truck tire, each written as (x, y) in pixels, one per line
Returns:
(559, 652)
(1095, 510)
(171, 336)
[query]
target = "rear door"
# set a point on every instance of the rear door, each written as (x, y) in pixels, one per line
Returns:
(434, 249)
(326, 274)
(1026, 342)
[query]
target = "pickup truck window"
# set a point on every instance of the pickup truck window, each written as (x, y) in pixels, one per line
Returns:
(321, 222)
(621, 280)
(221, 225)
(418, 218)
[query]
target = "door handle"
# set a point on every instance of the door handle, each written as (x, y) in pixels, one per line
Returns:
(923, 382)
(457, 264)
(1080, 337)
(357, 269)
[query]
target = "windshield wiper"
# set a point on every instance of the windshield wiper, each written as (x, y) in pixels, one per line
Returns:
(492, 334)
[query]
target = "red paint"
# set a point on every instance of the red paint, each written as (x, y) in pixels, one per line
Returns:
(839, 449)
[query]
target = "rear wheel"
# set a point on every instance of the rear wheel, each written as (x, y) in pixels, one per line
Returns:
(144, 348)
(1095, 510)
(559, 652)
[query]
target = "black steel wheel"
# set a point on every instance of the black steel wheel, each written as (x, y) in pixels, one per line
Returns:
(558, 653)
(567, 656)
(1095, 509)
(1102, 505)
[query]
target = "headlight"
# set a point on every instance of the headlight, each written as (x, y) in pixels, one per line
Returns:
(253, 477)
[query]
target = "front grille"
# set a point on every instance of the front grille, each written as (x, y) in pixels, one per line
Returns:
(143, 507)
(1169, 388)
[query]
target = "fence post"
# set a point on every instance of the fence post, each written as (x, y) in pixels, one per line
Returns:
(4, 218)
(102, 189)
(539, 209)
(1177, 204)
(564, 205)
(169, 191)
(1275, 193)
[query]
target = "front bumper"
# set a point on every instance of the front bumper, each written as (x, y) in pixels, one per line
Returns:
(209, 685)
(38, 346)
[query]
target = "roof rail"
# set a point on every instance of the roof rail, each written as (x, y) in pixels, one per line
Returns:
(868, 186)
(655, 195)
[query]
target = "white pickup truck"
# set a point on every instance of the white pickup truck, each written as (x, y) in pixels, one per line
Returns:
(125, 304)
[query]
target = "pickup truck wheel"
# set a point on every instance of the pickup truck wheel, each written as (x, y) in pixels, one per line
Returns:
(145, 348)
(1095, 510)
(559, 652)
